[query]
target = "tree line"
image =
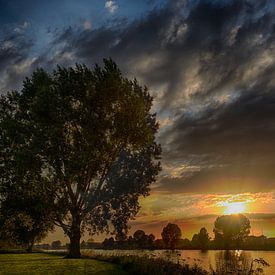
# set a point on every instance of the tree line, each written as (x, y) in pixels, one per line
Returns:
(230, 232)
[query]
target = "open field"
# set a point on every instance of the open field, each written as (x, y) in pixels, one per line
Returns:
(39, 263)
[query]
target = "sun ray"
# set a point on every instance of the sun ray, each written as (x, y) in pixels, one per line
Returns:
(234, 207)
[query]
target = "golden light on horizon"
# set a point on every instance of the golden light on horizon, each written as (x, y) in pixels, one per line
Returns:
(234, 207)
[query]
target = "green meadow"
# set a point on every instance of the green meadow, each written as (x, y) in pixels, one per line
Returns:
(39, 263)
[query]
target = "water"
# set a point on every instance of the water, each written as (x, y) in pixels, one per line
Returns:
(202, 258)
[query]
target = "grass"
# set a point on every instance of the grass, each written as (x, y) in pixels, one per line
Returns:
(40, 263)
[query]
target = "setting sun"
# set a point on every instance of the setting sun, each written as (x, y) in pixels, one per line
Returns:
(234, 207)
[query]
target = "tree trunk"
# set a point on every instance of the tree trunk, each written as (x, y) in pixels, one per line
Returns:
(30, 246)
(75, 235)
(74, 248)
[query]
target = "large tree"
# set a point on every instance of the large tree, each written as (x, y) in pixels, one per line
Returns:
(91, 137)
(231, 229)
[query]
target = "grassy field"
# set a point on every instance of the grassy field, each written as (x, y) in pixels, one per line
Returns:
(39, 263)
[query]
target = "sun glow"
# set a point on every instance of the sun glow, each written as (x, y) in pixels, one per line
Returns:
(234, 207)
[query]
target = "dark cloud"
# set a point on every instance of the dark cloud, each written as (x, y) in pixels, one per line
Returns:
(14, 62)
(191, 48)
(211, 66)
(244, 127)
(233, 144)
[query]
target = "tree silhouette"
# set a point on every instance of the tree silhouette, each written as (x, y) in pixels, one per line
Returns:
(202, 239)
(108, 243)
(56, 244)
(142, 240)
(90, 136)
(171, 233)
(231, 229)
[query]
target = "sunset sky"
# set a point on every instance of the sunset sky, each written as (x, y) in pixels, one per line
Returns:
(210, 66)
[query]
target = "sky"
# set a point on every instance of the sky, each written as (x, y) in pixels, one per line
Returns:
(210, 65)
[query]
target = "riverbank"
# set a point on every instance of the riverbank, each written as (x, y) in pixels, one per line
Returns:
(55, 263)
(204, 259)
(45, 263)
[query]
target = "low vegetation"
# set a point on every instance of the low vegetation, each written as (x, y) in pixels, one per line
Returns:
(147, 266)
(233, 262)
(227, 262)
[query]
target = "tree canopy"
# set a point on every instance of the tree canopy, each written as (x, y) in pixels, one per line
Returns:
(88, 136)
(26, 217)
(202, 239)
(231, 229)
(171, 233)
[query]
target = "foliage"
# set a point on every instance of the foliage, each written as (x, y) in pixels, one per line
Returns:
(141, 240)
(235, 262)
(139, 235)
(171, 233)
(56, 244)
(108, 243)
(148, 266)
(202, 239)
(90, 137)
(25, 216)
(231, 229)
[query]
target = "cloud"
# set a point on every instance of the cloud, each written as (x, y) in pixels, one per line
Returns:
(87, 25)
(14, 60)
(230, 142)
(111, 6)
(211, 67)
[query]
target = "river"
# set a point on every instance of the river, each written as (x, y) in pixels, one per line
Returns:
(202, 258)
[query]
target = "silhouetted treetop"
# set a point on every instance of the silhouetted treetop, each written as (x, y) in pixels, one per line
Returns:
(231, 228)
(171, 233)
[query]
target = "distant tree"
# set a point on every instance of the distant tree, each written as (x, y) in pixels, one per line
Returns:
(90, 243)
(140, 237)
(231, 229)
(159, 244)
(56, 244)
(171, 234)
(202, 239)
(26, 217)
(90, 240)
(150, 239)
(195, 241)
(83, 245)
(185, 243)
(108, 243)
(142, 240)
(90, 135)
